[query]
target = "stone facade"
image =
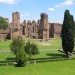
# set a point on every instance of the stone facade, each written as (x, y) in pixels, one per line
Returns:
(54, 30)
(15, 25)
(5, 33)
(44, 27)
(41, 29)
(30, 29)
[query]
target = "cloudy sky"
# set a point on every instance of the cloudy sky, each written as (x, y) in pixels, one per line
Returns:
(31, 9)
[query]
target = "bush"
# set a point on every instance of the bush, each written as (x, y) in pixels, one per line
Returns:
(17, 46)
(21, 58)
(31, 49)
(34, 49)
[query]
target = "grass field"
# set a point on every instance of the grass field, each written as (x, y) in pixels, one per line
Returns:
(5, 45)
(45, 45)
(48, 62)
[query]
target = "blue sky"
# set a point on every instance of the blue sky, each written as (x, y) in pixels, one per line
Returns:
(31, 9)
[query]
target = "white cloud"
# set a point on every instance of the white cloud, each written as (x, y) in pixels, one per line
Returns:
(9, 1)
(66, 3)
(51, 9)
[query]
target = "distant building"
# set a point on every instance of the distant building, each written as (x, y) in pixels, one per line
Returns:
(41, 29)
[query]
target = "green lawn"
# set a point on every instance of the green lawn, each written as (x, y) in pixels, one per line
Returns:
(50, 62)
(49, 68)
(5, 45)
(45, 45)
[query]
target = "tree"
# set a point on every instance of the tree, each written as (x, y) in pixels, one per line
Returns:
(31, 49)
(67, 33)
(17, 47)
(16, 44)
(3, 23)
(21, 57)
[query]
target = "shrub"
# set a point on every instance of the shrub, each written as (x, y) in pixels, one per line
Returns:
(31, 49)
(17, 46)
(21, 58)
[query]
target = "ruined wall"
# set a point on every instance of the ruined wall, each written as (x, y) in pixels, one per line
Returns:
(15, 24)
(41, 29)
(51, 30)
(5, 34)
(58, 28)
(30, 29)
(55, 30)
(44, 27)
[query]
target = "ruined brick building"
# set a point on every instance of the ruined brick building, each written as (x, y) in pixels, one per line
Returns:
(41, 29)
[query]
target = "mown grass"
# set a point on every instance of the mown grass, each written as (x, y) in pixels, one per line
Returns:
(44, 45)
(49, 68)
(5, 45)
(48, 62)
(56, 67)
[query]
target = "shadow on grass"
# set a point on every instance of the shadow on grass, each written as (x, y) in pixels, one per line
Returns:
(51, 58)
(57, 55)
(8, 62)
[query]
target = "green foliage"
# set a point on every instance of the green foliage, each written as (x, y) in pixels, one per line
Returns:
(17, 46)
(34, 49)
(68, 29)
(31, 49)
(21, 57)
(28, 48)
(3, 23)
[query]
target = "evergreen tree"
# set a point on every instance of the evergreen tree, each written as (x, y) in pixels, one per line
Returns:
(68, 29)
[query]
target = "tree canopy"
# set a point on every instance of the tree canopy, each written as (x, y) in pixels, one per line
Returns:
(3, 23)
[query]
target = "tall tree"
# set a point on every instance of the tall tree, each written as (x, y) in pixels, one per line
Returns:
(3, 23)
(68, 29)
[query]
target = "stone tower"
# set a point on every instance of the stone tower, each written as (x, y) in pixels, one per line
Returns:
(15, 24)
(44, 27)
